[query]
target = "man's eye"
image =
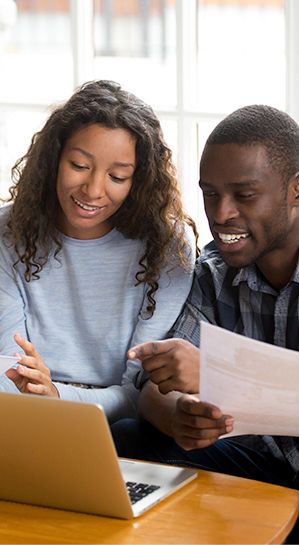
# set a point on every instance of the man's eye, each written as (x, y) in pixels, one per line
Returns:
(246, 195)
(209, 193)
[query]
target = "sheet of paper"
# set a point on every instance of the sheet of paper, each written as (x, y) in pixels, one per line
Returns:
(6, 362)
(255, 382)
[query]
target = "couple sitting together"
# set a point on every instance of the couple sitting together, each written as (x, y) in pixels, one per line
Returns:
(102, 288)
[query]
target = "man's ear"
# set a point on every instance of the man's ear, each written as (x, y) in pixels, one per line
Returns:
(293, 190)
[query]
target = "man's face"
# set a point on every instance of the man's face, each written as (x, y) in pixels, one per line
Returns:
(246, 204)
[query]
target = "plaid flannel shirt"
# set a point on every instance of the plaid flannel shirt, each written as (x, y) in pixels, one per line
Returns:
(240, 300)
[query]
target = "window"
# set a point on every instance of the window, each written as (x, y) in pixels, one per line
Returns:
(194, 61)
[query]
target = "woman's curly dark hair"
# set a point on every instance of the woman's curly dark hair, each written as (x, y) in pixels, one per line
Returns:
(153, 210)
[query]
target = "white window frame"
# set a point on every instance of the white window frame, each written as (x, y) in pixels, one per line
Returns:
(188, 149)
(188, 154)
(292, 57)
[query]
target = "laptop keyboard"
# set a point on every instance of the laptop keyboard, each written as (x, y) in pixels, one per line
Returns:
(138, 491)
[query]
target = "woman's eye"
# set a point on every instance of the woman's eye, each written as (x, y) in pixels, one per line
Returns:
(117, 179)
(77, 166)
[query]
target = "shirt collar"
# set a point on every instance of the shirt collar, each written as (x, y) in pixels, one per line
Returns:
(254, 280)
(250, 275)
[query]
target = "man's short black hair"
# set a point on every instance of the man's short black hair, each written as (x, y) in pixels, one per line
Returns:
(266, 126)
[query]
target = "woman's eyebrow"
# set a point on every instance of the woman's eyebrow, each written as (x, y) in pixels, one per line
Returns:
(121, 164)
(84, 152)
(91, 156)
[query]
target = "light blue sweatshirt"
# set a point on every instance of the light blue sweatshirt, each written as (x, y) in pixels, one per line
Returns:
(83, 314)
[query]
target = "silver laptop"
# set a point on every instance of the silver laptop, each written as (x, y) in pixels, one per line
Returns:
(61, 454)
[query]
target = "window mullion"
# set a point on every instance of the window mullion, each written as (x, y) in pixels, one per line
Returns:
(82, 40)
(187, 142)
(292, 57)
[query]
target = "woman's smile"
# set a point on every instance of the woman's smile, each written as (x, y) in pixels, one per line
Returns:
(88, 209)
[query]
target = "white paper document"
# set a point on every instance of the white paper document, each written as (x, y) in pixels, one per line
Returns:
(255, 382)
(6, 362)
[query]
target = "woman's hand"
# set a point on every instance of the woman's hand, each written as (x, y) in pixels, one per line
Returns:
(31, 376)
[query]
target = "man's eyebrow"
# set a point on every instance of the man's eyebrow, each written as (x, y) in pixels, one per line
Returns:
(244, 183)
(202, 183)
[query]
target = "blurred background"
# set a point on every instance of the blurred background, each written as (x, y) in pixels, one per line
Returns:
(194, 61)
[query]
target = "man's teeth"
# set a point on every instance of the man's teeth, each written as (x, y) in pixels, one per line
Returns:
(85, 206)
(231, 239)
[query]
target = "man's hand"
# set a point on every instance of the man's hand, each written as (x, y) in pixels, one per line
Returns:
(197, 424)
(172, 364)
(32, 376)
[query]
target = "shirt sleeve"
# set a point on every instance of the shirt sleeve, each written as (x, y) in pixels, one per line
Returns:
(200, 306)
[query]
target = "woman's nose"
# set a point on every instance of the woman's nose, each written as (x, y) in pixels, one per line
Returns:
(94, 188)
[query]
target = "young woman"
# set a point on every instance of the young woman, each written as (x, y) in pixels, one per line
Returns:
(96, 253)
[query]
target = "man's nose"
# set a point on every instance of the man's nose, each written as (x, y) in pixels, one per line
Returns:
(225, 210)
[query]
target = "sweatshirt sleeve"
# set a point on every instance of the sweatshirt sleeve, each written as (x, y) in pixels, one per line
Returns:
(12, 317)
(117, 401)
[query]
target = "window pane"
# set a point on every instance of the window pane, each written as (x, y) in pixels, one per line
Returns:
(204, 128)
(135, 45)
(17, 127)
(169, 128)
(241, 54)
(35, 60)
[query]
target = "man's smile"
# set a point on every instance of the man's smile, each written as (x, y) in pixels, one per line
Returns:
(231, 238)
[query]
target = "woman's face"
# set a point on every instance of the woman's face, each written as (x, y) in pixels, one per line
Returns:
(95, 175)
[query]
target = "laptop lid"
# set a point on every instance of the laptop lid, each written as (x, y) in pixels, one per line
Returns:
(60, 454)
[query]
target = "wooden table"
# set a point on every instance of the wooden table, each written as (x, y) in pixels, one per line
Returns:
(215, 508)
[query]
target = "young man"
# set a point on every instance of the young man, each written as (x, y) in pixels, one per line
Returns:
(247, 281)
